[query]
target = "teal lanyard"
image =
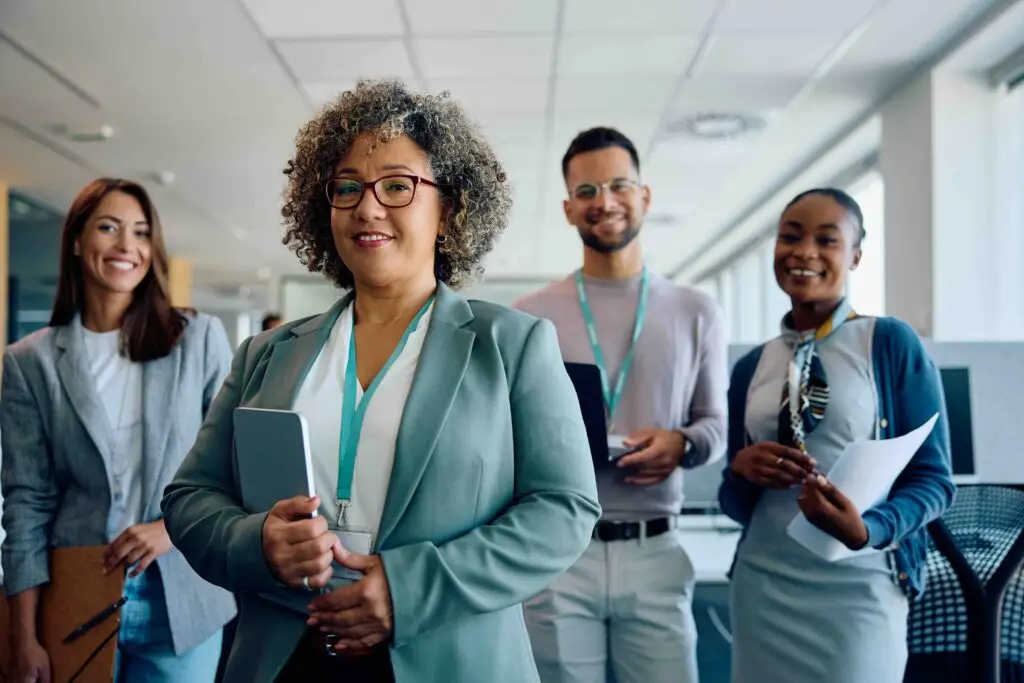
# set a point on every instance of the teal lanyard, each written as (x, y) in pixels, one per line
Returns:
(611, 398)
(352, 416)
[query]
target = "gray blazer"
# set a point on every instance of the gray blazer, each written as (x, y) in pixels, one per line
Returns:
(491, 497)
(56, 458)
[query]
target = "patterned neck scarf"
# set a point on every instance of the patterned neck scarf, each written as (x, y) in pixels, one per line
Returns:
(805, 393)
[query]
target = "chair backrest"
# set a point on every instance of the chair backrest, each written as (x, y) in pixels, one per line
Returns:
(1012, 631)
(937, 622)
(985, 521)
(974, 554)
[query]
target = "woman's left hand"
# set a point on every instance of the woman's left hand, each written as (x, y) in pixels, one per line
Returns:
(141, 544)
(359, 613)
(827, 508)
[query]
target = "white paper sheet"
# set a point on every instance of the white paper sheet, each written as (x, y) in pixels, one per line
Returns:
(864, 473)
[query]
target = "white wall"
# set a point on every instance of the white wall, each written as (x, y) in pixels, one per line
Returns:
(300, 297)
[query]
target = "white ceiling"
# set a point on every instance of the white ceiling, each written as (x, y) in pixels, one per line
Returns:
(214, 91)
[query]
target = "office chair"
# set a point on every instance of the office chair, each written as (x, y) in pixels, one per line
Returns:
(968, 627)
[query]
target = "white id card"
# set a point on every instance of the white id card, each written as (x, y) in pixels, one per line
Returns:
(357, 542)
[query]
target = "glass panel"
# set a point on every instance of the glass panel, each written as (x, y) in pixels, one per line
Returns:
(866, 285)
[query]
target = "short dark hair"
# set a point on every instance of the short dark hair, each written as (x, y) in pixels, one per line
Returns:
(269, 321)
(842, 199)
(151, 326)
(595, 139)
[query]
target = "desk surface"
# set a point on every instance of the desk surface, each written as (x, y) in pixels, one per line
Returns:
(710, 541)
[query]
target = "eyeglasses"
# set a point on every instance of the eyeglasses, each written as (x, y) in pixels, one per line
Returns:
(619, 186)
(393, 191)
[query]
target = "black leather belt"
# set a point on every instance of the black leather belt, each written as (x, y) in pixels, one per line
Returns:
(628, 531)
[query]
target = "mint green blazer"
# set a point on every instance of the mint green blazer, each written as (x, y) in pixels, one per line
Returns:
(492, 495)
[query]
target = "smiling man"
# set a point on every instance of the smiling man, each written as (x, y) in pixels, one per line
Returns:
(662, 354)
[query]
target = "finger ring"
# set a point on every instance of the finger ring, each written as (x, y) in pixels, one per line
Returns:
(329, 641)
(305, 582)
(778, 463)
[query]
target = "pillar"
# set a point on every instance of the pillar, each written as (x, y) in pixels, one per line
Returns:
(944, 273)
(180, 281)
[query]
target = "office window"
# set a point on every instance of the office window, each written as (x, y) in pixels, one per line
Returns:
(725, 298)
(748, 311)
(866, 285)
(774, 301)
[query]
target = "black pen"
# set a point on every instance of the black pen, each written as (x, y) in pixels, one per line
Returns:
(104, 614)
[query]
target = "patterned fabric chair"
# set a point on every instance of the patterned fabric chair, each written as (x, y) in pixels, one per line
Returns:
(968, 627)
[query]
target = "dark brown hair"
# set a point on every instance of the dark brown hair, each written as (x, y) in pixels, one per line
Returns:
(151, 326)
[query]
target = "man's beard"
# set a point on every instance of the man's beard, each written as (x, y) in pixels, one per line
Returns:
(602, 247)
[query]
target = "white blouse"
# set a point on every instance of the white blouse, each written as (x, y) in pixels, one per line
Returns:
(319, 400)
(119, 387)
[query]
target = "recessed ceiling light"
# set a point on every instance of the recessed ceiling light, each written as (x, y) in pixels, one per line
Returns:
(96, 134)
(715, 125)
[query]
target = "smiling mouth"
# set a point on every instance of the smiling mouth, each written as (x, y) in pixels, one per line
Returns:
(803, 272)
(120, 264)
(372, 239)
(605, 220)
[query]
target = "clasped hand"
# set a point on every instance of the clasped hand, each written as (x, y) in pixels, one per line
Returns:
(775, 466)
(359, 613)
(297, 546)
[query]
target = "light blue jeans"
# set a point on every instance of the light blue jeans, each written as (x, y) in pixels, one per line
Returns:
(145, 652)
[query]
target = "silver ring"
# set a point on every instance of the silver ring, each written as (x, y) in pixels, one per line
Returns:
(305, 582)
(778, 463)
(329, 640)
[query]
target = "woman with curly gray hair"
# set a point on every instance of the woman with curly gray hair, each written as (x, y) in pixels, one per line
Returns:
(450, 462)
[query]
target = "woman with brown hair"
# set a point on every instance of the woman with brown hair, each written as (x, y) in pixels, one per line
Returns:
(97, 411)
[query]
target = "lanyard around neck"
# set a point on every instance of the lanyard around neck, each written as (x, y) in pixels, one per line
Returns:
(352, 415)
(612, 396)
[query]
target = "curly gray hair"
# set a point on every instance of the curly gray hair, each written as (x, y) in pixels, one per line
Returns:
(474, 187)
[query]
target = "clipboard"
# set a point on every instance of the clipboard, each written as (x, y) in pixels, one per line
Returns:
(275, 463)
(78, 593)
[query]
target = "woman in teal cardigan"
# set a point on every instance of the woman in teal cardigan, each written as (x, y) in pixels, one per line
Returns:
(797, 618)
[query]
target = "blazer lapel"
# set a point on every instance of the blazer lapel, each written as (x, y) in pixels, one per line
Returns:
(73, 369)
(291, 359)
(439, 372)
(159, 382)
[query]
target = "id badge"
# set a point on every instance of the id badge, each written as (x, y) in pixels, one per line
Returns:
(357, 542)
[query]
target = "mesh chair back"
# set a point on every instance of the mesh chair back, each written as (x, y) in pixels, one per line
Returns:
(983, 524)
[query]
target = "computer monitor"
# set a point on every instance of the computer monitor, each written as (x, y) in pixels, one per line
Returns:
(956, 383)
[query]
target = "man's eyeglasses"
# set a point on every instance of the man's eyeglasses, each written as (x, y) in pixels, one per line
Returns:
(619, 186)
(393, 191)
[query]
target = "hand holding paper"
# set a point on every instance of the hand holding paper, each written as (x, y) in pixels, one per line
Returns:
(828, 509)
(863, 475)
